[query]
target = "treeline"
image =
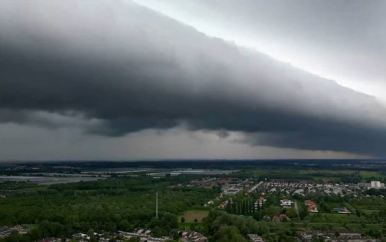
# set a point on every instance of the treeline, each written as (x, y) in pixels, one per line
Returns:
(241, 207)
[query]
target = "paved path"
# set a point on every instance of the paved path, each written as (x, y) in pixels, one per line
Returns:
(296, 207)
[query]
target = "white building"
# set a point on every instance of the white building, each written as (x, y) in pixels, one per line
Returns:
(286, 203)
(255, 238)
(376, 184)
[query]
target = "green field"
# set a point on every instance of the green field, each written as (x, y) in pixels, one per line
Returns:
(317, 175)
(191, 215)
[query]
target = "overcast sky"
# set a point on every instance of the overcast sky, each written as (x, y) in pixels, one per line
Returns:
(157, 79)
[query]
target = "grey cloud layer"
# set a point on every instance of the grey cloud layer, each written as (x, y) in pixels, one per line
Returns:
(350, 34)
(133, 69)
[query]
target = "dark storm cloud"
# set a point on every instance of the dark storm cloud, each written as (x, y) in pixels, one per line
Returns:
(131, 69)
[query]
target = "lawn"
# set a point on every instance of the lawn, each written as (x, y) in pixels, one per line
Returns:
(30, 226)
(191, 215)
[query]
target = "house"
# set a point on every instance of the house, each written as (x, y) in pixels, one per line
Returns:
(311, 206)
(143, 235)
(79, 236)
(350, 236)
(223, 181)
(299, 191)
(342, 210)
(192, 236)
(255, 238)
(260, 202)
(5, 231)
(52, 240)
(232, 191)
(224, 204)
(286, 203)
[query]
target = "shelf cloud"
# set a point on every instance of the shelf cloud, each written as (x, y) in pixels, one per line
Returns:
(114, 67)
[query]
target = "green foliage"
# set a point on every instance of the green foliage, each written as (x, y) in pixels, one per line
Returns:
(229, 234)
(108, 205)
(291, 213)
(133, 239)
(272, 211)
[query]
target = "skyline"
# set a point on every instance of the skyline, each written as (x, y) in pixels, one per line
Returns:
(127, 81)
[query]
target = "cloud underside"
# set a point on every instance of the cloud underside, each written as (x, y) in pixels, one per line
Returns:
(112, 68)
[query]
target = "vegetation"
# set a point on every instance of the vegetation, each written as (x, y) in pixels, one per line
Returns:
(109, 205)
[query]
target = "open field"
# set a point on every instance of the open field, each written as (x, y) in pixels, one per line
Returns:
(191, 215)
(314, 174)
(372, 174)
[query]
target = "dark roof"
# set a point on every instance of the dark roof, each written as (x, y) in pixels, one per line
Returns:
(4, 229)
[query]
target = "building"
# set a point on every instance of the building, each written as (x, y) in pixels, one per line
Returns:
(342, 210)
(260, 202)
(192, 236)
(349, 236)
(311, 206)
(286, 203)
(144, 235)
(5, 231)
(372, 184)
(255, 238)
(252, 189)
(377, 184)
(223, 204)
(232, 191)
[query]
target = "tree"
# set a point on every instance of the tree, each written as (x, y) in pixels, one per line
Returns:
(154, 222)
(176, 236)
(169, 221)
(291, 213)
(229, 234)
(124, 225)
(92, 236)
(358, 212)
(272, 211)
(133, 239)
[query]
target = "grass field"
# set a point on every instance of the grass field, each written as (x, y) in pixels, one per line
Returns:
(332, 175)
(302, 174)
(372, 174)
(191, 215)
(30, 226)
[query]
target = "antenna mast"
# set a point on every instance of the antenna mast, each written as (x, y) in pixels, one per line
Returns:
(156, 204)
